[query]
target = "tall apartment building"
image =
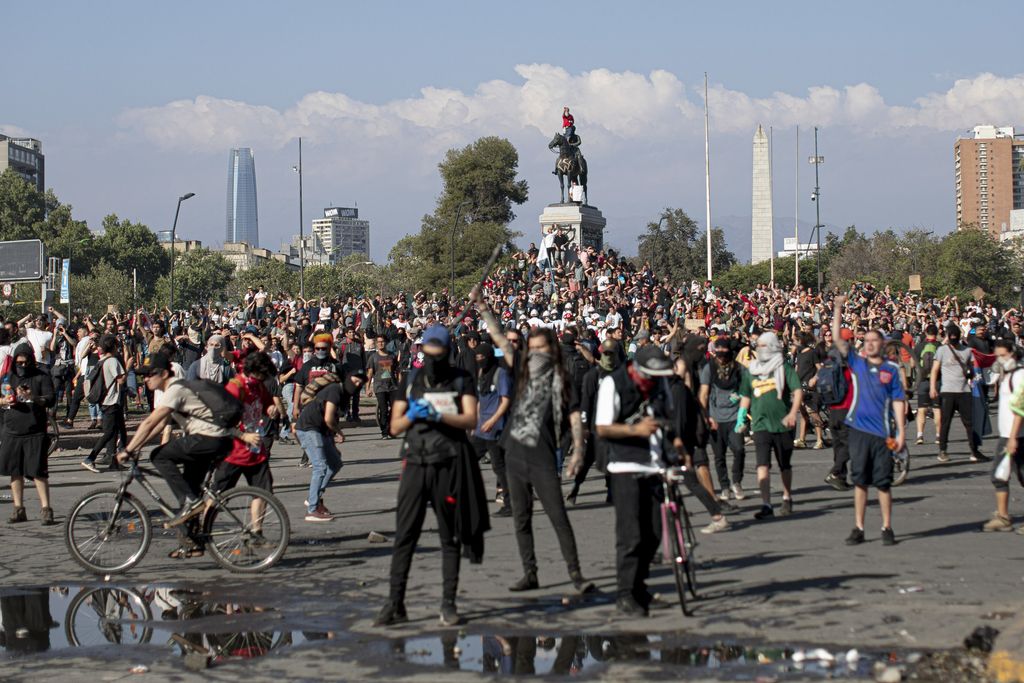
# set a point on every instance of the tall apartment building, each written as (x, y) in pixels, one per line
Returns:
(242, 224)
(342, 233)
(989, 169)
(25, 156)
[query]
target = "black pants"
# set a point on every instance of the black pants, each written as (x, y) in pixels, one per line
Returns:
(420, 485)
(77, 396)
(113, 429)
(589, 458)
(195, 454)
(384, 401)
(61, 383)
(961, 402)
(497, 454)
(350, 405)
(534, 471)
(637, 503)
(725, 439)
(840, 441)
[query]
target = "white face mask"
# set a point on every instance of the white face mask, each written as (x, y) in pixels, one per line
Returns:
(1007, 362)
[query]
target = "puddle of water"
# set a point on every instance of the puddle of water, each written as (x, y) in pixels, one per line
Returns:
(575, 655)
(47, 619)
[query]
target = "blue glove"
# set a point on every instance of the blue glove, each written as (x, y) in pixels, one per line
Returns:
(741, 420)
(418, 410)
(432, 414)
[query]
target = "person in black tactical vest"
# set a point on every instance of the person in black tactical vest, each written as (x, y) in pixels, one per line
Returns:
(632, 404)
(436, 407)
(607, 362)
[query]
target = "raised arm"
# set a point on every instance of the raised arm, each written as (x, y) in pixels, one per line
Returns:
(837, 322)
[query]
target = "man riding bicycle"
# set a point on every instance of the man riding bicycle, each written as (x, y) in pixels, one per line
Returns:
(203, 443)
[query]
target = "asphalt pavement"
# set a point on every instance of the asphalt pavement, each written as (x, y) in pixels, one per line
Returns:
(785, 584)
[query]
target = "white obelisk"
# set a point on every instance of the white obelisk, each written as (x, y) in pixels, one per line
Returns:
(761, 221)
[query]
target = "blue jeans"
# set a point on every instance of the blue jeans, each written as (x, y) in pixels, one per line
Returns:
(326, 462)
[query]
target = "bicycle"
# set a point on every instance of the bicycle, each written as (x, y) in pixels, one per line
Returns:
(119, 616)
(108, 530)
(52, 431)
(678, 539)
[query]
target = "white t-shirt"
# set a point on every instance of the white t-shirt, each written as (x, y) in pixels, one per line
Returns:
(40, 341)
(576, 193)
(1005, 394)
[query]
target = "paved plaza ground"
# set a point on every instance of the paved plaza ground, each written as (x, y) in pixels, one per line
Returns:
(787, 583)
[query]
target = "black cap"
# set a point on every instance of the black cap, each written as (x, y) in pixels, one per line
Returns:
(652, 361)
(154, 364)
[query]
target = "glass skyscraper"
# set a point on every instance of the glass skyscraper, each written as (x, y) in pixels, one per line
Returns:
(242, 222)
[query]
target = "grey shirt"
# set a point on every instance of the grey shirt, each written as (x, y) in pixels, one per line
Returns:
(721, 406)
(112, 370)
(951, 374)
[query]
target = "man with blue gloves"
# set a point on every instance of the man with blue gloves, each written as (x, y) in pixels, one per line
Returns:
(435, 409)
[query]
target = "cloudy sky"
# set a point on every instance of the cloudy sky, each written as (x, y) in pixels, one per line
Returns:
(137, 103)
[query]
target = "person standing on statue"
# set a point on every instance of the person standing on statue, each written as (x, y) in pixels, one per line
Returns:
(567, 122)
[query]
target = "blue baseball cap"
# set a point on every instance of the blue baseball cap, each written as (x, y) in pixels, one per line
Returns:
(437, 335)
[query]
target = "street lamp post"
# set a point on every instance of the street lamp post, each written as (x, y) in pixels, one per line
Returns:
(174, 233)
(817, 160)
(455, 225)
(302, 246)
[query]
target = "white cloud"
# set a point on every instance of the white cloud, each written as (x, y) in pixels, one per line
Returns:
(11, 130)
(611, 107)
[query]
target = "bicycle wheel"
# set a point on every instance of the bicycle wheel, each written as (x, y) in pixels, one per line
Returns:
(247, 530)
(53, 432)
(108, 616)
(673, 528)
(107, 536)
(690, 538)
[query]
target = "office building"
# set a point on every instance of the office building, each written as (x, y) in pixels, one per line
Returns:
(342, 233)
(308, 250)
(25, 156)
(242, 220)
(989, 174)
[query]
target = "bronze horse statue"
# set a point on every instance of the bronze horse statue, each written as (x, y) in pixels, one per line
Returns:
(570, 163)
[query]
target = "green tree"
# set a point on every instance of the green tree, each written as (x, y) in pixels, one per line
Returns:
(275, 276)
(745, 277)
(676, 247)
(104, 285)
(22, 208)
(131, 246)
(973, 258)
(480, 188)
(200, 276)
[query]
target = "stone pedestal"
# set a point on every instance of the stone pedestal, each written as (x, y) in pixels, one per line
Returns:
(587, 220)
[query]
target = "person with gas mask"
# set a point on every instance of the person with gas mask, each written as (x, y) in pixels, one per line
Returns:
(213, 365)
(954, 365)
(27, 393)
(435, 409)
(494, 394)
(316, 364)
(609, 359)
(635, 419)
(719, 395)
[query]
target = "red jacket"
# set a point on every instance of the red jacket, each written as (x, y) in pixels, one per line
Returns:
(568, 120)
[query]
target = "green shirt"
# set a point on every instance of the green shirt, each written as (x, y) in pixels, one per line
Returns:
(766, 409)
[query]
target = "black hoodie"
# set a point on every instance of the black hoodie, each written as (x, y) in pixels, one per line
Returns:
(28, 418)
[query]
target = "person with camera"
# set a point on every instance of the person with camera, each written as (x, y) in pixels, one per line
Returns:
(953, 363)
(27, 393)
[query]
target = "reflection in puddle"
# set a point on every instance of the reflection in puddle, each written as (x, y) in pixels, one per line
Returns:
(573, 655)
(109, 615)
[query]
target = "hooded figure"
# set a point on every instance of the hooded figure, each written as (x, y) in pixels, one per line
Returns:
(769, 361)
(213, 365)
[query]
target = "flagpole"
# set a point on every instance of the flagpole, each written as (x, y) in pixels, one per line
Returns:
(707, 174)
(796, 211)
(771, 197)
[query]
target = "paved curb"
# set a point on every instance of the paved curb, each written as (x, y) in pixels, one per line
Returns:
(1006, 663)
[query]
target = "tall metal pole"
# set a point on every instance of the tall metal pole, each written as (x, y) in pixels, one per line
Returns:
(302, 243)
(771, 197)
(174, 253)
(707, 173)
(817, 207)
(455, 226)
(796, 212)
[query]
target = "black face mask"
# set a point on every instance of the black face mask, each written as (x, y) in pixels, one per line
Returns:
(435, 367)
(20, 370)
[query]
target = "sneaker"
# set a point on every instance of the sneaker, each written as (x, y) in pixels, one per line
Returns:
(628, 607)
(980, 457)
(716, 525)
(837, 482)
(391, 614)
(787, 507)
(799, 443)
(190, 509)
(67, 424)
(936, 441)
(527, 583)
(818, 445)
(450, 615)
(856, 537)
(581, 585)
(737, 491)
(888, 537)
(503, 511)
(321, 508)
(46, 516)
(766, 512)
(318, 516)
(943, 456)
(723, 497)
(920, 439)
(91, 466)
(998, 523)
(17, 515)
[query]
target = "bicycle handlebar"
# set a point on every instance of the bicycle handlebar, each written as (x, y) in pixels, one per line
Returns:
(641, 468)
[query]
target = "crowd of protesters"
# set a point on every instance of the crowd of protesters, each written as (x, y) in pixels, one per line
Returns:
(551, 356)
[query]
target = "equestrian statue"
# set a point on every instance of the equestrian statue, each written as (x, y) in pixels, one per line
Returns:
(571, 163)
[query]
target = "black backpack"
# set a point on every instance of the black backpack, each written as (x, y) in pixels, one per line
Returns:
(225, 408)
(97, 387)
(832, 385)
